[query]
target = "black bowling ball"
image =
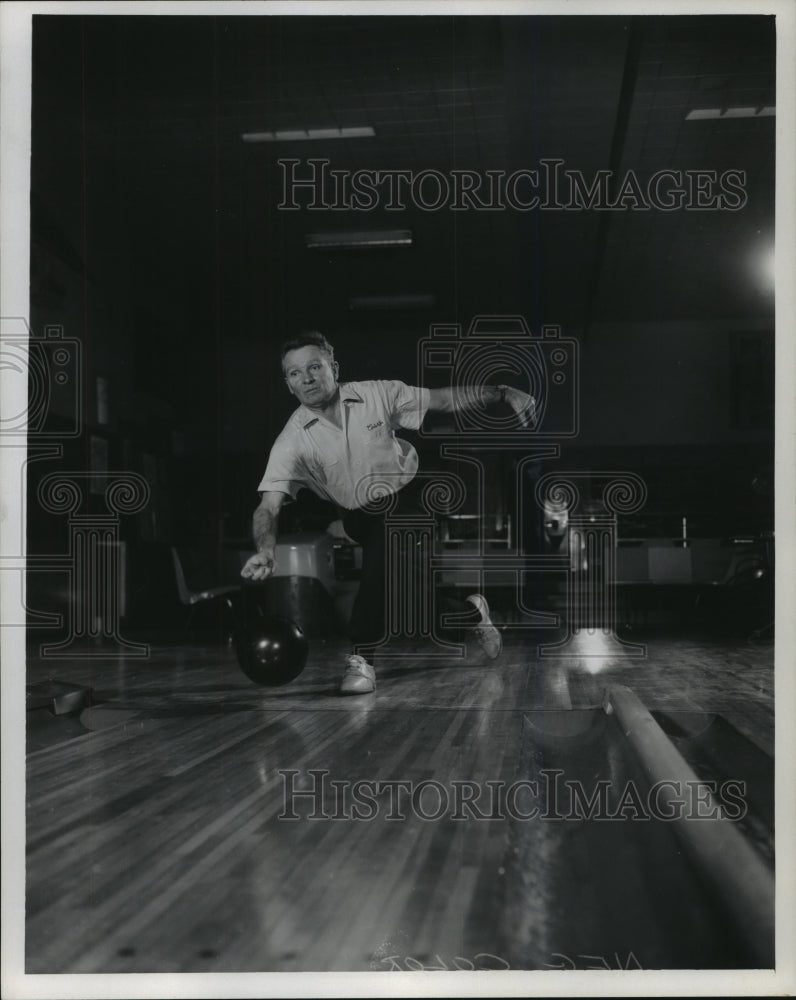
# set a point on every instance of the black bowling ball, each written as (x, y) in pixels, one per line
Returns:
(271, 651)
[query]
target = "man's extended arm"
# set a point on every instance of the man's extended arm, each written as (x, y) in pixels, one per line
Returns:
(264, 526)
(448, 400)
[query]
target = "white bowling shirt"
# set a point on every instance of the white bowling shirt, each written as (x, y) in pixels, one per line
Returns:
(347, 465)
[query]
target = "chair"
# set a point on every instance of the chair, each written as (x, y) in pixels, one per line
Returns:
(193, 598)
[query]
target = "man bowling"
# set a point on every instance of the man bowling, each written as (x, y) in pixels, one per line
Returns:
(339, 438)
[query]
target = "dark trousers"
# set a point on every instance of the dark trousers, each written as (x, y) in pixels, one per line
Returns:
(367, 627)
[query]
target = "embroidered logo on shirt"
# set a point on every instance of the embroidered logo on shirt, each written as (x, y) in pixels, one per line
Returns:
(372, 427)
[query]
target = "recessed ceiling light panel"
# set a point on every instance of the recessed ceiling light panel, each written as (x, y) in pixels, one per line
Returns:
(352, 238)
(702, 114)
(303, 134)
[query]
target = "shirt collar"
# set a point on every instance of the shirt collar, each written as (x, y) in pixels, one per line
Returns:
(306, 417)
(347, 394)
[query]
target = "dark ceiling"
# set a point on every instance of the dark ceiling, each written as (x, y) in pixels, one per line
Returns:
(140, 172)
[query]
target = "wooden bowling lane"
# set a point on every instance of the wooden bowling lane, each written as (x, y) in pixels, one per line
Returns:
(129, 823)
(155, 841)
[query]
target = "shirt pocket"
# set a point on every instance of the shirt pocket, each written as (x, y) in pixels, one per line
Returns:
(326, 470)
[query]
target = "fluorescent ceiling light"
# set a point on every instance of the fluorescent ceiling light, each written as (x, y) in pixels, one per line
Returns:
(302, 134)
(374, 238)
(700, 114)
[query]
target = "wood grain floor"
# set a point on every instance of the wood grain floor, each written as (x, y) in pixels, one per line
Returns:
(155, 843)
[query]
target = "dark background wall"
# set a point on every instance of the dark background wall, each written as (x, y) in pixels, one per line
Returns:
(158, 243)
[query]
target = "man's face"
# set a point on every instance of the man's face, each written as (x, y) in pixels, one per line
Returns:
(310, 376)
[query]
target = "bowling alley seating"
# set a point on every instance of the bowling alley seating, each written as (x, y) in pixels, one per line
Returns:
(190, 564)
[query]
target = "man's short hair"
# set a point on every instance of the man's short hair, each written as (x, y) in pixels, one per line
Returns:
(310, 339)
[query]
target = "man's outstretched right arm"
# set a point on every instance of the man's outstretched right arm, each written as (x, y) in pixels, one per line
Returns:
(264, 527)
